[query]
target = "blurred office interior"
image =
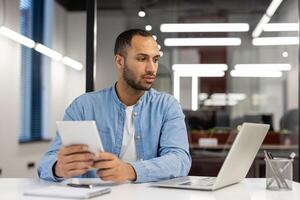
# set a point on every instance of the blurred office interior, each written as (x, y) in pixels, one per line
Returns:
(226, 61)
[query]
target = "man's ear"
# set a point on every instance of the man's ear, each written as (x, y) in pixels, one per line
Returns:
(119, 60)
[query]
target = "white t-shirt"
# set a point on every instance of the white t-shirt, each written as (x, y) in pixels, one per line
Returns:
(128, 149)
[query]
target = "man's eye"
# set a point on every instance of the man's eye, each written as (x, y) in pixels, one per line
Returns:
(141, 59)
(155, 60)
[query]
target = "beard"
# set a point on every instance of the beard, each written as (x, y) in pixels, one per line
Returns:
(132, 81)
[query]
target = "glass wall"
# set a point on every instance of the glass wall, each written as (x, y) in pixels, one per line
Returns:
(227, 62)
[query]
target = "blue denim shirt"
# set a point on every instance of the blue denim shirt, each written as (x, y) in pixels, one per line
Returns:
(160, 133)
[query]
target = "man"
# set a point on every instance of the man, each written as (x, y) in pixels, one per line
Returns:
(142, 130)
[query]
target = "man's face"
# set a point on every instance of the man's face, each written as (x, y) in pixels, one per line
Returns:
(141, 63)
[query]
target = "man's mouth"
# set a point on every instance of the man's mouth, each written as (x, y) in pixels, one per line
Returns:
(149, 78)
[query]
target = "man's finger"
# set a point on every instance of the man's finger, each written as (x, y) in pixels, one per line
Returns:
(74, 149)
(78, 165)
(104, 164)
(105, 156)
(106, 172)
(78, 157)
(108, 178)
(76, 172)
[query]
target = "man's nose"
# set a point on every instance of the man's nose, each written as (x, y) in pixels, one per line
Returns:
(151, 67)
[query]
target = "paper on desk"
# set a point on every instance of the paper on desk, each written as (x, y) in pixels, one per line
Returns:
(60, 191)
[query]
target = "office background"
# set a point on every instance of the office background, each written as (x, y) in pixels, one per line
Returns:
(213, 108)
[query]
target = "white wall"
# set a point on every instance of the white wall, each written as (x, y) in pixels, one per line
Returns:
(69, 37)
(13, 157)
(64, 84)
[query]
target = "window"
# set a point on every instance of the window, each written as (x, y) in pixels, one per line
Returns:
(31, 25)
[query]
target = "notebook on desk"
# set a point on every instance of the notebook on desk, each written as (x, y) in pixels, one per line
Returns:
(235, 166)
(60, 191)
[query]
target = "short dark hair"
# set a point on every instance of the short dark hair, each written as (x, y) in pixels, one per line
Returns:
(124, 39)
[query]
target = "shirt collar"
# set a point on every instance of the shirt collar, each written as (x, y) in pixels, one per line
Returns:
(121, 104)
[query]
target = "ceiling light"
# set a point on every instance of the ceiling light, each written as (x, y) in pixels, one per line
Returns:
(229, 96)
(264, 67)
(273, 7)
(205, 27)
(237, 96)
(252, 73)
(176, 86)
(260, 26)
(141, 13)
(161, 53)
(212, 102)
(199, 67)
(202, 42)
(148, 27)
(264, 41)
(195, 93)
(72, 63)
(202, 73)
(159, 47)
(48, 52)
(17, 37)
(154, 37)
(275, 27)
(285, 54)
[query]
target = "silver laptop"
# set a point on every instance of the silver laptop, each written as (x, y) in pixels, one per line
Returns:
(235, 166)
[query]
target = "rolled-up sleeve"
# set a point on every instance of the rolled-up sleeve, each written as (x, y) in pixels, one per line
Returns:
(174, 159)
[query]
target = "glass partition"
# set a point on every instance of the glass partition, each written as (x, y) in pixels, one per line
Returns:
(227, 62)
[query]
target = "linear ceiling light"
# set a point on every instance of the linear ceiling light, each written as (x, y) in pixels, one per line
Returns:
(16, 37)
(202, 73)
(275, 27)
(266, 17)
(213, 102)
(48, 52)
(176, 86)
(265, 41)
(198, 67)
(72, 63)
(264, 67)
(252, 73)
(230, 96)
(195, 86)
(273, 7)
(202, 42)
(205, 27)
(260, 26)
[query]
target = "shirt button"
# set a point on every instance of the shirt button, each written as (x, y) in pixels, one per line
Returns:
(138, 137)
(135, 114)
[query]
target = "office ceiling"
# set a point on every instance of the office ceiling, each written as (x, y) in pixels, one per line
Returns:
(231, 6)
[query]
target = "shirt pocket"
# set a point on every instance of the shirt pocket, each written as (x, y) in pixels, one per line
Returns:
(107, 138)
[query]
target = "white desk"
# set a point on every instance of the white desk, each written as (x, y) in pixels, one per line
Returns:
(249, 189)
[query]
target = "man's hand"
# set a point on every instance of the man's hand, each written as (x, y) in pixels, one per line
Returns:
(73, 160)
(110, 168)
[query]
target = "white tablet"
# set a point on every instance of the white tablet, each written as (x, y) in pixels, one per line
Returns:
(80, 132)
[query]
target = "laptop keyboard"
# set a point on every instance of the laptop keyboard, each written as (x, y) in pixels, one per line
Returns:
(205, 181)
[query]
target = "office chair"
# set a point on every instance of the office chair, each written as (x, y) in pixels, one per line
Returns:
(289, 121)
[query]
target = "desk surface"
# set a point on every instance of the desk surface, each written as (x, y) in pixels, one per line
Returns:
(249, 189)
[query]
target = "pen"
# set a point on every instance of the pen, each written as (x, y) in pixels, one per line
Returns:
(291, 157)
(267, 155)
(80, 185)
